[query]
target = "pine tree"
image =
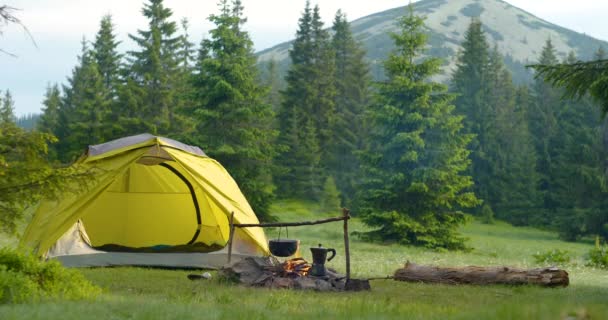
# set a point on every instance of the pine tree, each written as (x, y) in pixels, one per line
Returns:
(109, 60)
(544, 127)
(579, 79)
(468, 81)
(272, 80)
(310, 94)
(25, 174)
(186, 52)
(292, 116)
(578, 180)
(105, 52)
(322, 106)
(503, 154)
(308, 178)
(49, 120)
(522, 158)
(235, 124)
(352, 95)
(414, 167)
(87, 105)
(510, 180)
(7, 103)
(154, 68)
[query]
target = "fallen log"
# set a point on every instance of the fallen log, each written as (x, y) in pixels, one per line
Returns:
(546, 277)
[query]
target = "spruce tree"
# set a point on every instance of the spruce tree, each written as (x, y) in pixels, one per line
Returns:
(49, 120)
(322, 105)
(310, 93)
(468, 81)
(293, 118)
(579, 79)
(154, 69)
(25, 174)
(544, 127)
(415, 185)
(510, 180)
(105, 52)
(578, 179)
(7, 104)
(234, 122)
(86, 106)
(352, 95)
(468, 78)
(109, 60)
(272, 80)
(503, 154)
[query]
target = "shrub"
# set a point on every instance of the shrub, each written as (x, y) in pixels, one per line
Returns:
(555, 256)
(598, 256)
(487, 214)
(24, 278)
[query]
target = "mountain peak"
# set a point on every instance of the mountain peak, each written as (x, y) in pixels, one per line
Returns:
(518, 34)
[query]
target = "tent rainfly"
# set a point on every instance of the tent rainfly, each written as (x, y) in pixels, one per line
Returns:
(152, 201)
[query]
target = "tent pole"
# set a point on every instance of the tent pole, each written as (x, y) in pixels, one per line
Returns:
(230, 237)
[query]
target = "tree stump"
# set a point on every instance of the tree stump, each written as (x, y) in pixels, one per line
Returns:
(545, 277)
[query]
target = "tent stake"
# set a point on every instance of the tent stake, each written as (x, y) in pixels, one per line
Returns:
(346, 214)
(230, 237)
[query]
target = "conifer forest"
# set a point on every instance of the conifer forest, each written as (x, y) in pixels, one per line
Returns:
(413, 157)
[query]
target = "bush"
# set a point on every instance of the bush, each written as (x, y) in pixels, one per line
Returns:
(487, 214)
(555, 256)
(598, 256)
(24, 278)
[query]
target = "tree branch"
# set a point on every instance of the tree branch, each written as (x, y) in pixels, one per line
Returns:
(7, 17)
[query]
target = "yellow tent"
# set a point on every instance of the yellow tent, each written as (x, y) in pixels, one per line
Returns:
(152, 201)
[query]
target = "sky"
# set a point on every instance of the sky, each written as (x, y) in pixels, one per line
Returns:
(59, 26)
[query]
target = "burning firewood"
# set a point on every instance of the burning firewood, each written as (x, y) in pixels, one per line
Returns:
(290, 274)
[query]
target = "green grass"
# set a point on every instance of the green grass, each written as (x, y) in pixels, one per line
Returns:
(135, 293)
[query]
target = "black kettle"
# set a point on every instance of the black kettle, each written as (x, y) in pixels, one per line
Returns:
(319, 256)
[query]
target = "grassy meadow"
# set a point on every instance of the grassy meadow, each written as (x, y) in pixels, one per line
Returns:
(138, 293)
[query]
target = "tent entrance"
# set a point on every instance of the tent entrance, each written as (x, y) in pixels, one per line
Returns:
(152, 207)
(194, 199)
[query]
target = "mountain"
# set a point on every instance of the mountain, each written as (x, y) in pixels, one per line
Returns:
(518, 34)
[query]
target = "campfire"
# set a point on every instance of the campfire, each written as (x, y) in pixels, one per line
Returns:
(293, 268)
(295, 273)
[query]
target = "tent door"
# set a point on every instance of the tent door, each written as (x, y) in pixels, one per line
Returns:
(194, 200)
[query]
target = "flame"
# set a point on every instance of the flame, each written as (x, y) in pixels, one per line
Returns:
(297, 267)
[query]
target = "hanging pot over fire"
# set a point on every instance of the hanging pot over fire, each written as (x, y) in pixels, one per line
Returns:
(283, 247)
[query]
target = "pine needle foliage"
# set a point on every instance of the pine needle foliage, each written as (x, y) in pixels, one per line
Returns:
(578, 79)
(415, 187)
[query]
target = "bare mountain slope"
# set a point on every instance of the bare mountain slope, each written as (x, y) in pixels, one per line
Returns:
(518, 34)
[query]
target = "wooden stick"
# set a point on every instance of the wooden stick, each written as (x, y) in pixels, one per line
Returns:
(231, 236)
(289, 224)
(346, 216)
